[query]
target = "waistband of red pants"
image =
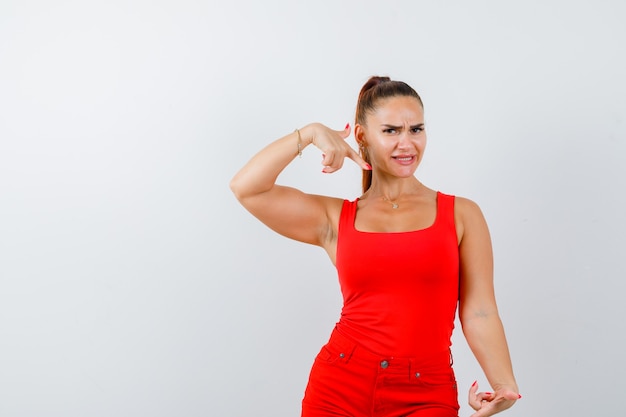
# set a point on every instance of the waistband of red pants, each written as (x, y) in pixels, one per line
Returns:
(350, 349)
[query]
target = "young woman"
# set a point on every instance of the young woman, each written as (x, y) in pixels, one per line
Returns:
(406, 257)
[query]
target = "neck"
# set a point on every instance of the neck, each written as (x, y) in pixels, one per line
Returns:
(393, 190)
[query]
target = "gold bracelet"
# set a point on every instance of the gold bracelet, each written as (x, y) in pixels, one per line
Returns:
(299, 144)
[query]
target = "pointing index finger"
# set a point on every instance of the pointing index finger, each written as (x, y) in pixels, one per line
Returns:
(352, 154)
(359, 161)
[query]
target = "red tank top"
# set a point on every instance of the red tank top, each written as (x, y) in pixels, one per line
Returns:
(400, 290)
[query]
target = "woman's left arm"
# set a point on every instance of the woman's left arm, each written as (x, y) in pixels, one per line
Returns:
(478, 312)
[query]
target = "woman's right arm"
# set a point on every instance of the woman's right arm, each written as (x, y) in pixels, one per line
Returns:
(286, 210)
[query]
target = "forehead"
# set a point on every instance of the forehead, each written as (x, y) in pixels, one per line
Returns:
(399, 108)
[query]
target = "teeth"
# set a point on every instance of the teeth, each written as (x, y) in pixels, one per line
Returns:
(406, 158)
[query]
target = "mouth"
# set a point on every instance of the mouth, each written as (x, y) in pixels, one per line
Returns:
(404, 159)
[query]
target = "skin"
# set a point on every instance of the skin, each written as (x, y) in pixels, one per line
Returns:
(394, 137)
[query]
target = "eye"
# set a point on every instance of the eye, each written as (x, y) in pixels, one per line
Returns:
(417, 129)
(389, 130)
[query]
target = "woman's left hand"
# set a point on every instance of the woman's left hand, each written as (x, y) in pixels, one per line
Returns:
(490, 403)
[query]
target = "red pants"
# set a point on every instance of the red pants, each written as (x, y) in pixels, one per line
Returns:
(349, 381)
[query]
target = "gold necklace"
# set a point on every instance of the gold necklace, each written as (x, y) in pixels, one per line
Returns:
(393, 205)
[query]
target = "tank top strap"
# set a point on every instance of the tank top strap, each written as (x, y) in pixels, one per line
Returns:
(445, 209)
(348, 213)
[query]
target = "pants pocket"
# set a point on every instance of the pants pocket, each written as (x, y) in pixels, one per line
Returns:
(434, 378)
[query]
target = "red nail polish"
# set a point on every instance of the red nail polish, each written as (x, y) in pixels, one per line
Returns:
(519, 395)
(487, 393)
(474, 384)
(369, 166)
(347, 125)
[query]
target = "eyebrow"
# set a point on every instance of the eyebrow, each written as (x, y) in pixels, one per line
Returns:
(388, 126)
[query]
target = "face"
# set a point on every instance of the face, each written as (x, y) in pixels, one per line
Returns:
(394, 136)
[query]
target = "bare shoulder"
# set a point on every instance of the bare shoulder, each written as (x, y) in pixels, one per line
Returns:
(327, 235)
(465, 207)
(332, 206)
(467, 216)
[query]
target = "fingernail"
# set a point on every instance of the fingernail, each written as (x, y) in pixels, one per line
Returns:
(519, 396)
(347, 126)
(474, 384)
(368, 166)
(487, 393)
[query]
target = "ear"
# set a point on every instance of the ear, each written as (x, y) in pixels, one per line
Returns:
(359, 135)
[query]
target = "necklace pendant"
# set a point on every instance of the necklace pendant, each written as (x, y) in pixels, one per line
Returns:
(393, 205)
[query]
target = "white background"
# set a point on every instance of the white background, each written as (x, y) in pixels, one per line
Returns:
(133, 284)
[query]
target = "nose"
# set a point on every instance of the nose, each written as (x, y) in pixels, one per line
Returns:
(404, 139)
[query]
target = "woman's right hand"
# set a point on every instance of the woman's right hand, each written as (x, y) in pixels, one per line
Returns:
(333, 145)
(287, 210)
